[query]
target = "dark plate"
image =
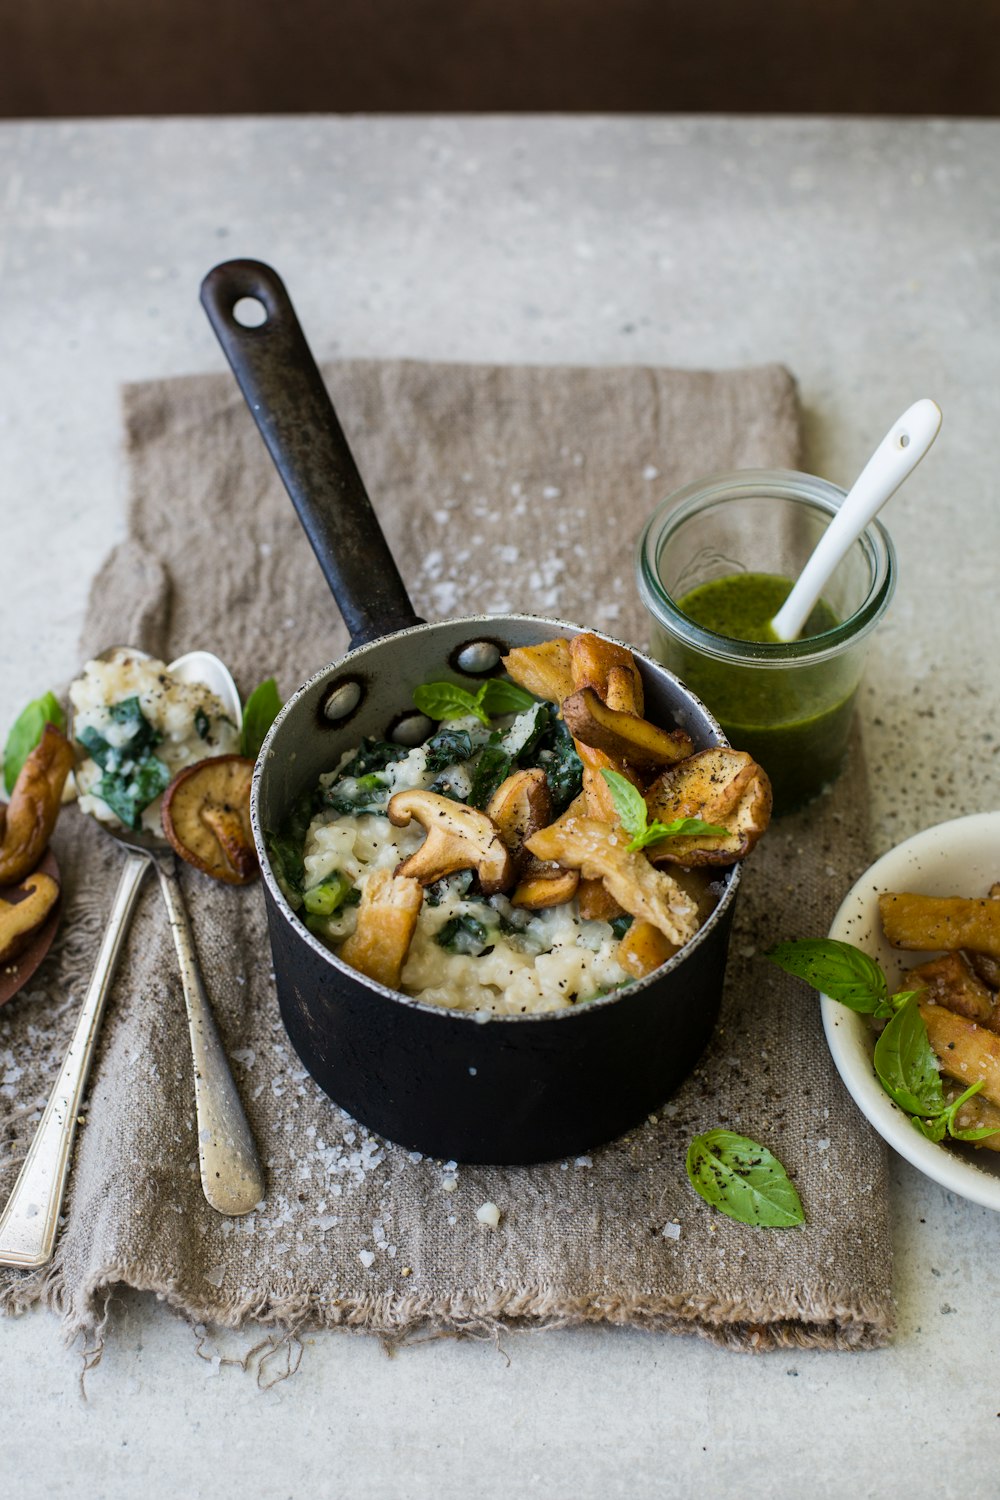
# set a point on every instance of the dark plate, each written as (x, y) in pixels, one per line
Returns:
(20, 969)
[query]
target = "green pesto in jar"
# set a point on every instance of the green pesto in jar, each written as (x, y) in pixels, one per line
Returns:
(793, 720)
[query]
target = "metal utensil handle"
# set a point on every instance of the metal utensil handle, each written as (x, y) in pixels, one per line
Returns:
(284, 390)
(231, 1174)
(28, 1223)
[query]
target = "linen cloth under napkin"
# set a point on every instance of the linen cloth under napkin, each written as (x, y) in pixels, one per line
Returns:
(500, 489)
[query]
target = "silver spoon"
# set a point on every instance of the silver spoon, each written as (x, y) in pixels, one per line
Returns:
(231, 1173)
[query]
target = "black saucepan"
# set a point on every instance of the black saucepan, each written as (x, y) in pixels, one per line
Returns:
(448, 1083)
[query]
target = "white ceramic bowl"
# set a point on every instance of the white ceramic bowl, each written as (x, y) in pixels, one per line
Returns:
(960, 858)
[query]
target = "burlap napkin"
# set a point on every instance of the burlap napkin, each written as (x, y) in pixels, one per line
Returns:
(513, 488)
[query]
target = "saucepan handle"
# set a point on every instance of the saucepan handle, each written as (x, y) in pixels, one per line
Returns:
(284, 390)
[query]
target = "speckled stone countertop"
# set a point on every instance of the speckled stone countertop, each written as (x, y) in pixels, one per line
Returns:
(865, 255)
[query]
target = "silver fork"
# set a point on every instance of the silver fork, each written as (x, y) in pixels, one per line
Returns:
(231, 1174)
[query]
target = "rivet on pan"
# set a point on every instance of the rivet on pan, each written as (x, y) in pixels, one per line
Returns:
(478, 657)
(343, 700)
(411, 729)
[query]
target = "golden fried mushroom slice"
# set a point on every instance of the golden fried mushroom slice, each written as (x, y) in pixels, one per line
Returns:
(543, 669)
(596, 850)
(458, 838)
(626, 738)
(20, 920)
(950, 981)
(34, 805)
(519, 807)
(643, 949)
(720, 786)
(387, 916)
(609, 669)
(966, 1052)
(949, 922)
(206, 817)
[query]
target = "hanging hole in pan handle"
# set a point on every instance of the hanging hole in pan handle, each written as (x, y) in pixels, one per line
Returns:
(291, 406)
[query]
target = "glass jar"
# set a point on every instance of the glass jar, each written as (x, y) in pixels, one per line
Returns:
(789, 704)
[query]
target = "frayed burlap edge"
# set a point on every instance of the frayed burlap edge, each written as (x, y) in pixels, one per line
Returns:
(805, 1322)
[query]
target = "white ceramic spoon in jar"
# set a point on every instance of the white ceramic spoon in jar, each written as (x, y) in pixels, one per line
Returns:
(231, 1173)
(895, 458)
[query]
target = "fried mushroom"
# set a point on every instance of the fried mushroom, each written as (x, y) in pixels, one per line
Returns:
(625, 737)
(519, 807)
(720, 786)
(21, 919)
(206, 818)
(543, 669)
(458, 838)
(34, 805)
(598, 852)
(387, 917)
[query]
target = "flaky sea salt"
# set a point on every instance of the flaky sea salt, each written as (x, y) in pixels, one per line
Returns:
(488, 1213)
(367, 1258)
(671, 1231)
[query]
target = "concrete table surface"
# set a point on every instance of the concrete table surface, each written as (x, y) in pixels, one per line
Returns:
(865, 255)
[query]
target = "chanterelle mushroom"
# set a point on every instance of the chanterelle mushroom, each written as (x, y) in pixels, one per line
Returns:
(458, 838)
(543, 669)
(206, 817)
(387, 917)
(720, 786)
(597, 850)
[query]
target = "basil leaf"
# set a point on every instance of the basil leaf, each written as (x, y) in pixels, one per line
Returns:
(974, 1132)
(630, 804)
(743, 1180)
(259, 713)
(26, 731)
(678, 828)
(445, 700)
(906, 1065)
(498, 696)
(621, 924)
(633, 814)
(202, 723)
(836, 969)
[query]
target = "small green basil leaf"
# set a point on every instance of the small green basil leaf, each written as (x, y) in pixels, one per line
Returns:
(202, 723)
(678, 828)
(932, 1130)
(975, 1132)
(743, 1180)
(259, 713)
(621, 924)
(498, 696)
(445, 700)
(630, 804)
(906, 1064)
(26, 731)
(836, 969)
